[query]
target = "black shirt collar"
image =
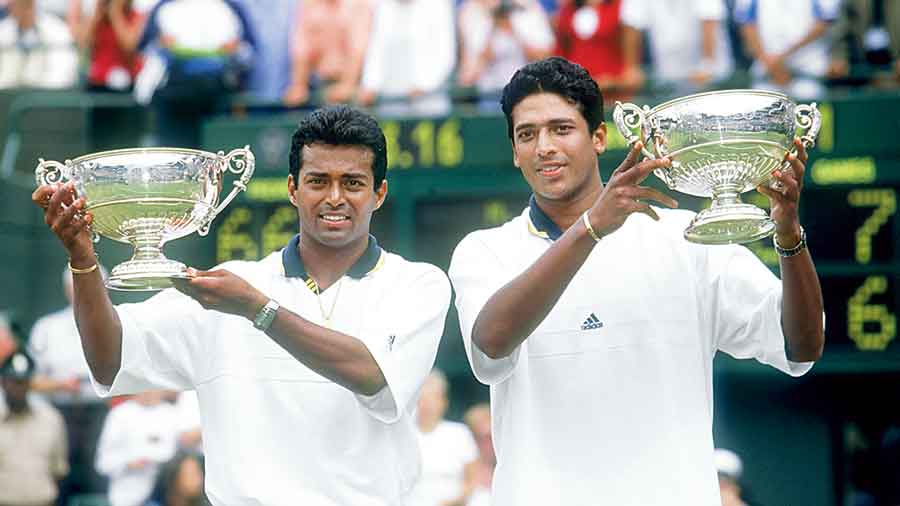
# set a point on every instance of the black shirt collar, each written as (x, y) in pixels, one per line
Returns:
(541, 224)
(293, 264)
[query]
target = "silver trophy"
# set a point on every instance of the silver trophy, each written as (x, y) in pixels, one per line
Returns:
(721, 144)
(147, 197)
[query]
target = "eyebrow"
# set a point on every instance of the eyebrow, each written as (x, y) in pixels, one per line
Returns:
(351, 175)
(552, 122)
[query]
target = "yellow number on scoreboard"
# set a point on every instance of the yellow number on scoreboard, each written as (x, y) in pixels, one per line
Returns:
(231, 243)
(860, 312)
(279, 229)
(884, 200)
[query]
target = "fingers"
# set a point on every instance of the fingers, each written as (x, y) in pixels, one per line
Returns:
(798, 166)
(639, 172)
(62, 196)
(41, 195)
(645, 193)
(644, 208)
(633, 156)
(801, 150)
(790, 189)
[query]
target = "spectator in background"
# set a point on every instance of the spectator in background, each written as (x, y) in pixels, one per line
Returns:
(589, 33)
(63, 377)
(32, 439)
(410, 58)
(688, 43)
(180, 482)
(190, 71)
(480, 472)
(446, 447)
(36, 50)
(866, 33)
(139, 436)
(111, 38)
(788, 43)
(187, 410)
(329, 48)
(273, 24)
(496, 38)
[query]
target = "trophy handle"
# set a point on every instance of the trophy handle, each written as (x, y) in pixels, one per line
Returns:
(629, 118)
(237, 161)
(809, 119)
(52, 172)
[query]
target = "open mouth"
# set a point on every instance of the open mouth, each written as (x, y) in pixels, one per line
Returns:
(335, 219)
(550, 170)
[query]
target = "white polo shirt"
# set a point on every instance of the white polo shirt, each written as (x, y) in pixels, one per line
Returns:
(610, 400)
(274, 431)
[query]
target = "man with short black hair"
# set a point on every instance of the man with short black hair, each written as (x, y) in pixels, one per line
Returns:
(307, 362)
(595, 323)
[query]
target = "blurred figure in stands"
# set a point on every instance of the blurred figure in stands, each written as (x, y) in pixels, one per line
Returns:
(496, 38)
(188, 72)
(788, 42)
(110, 37)
(7, 342)
(688, 43)
(447, 447)
(139, 436)
(63, 377)
(273, 23)
(589, 33)
(36, 50)
(867, 35)
(410, 58)
(480, 472)
(329, 48)
(180, 482)
(32, 439)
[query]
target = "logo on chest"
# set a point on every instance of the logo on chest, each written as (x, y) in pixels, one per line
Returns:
(592, 323)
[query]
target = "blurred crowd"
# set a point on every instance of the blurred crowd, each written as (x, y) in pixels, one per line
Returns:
(414, 56)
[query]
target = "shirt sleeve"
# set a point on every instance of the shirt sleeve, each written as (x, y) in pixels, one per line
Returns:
(476, 274)
(407, 340)
(635, 13)
(160, 345)
(743, 298)
(373, 69)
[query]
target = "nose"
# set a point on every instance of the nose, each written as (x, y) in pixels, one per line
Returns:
(545, 146)
(335, 195)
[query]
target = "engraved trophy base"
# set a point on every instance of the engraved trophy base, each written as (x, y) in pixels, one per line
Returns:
(729, 221)
(146, 274)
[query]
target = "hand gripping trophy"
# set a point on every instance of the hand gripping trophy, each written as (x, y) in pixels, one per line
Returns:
(721, 144)
(147, 197)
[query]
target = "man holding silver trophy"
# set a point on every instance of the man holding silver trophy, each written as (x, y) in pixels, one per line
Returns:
(307, 362)
(594, 317)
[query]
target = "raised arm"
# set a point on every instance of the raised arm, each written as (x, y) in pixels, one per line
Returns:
(98, 323)
(801, 318)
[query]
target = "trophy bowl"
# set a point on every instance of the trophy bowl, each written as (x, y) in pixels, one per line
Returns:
(149, 196)
(721, 144)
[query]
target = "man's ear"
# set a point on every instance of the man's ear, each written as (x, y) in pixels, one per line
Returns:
(292, 190)
(381, 194)
(599, 138)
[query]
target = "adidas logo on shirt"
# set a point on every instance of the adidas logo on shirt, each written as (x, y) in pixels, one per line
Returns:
(592, 323)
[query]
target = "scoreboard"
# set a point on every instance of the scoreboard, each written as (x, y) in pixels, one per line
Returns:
(450, 176)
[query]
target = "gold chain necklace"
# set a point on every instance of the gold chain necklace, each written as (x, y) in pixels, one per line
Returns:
(327, 316)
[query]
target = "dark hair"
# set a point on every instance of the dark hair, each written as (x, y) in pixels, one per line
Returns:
(554, 75)
(340, 125)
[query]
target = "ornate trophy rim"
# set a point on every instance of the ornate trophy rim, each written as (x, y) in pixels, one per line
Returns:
(718, 93)
(141, 151)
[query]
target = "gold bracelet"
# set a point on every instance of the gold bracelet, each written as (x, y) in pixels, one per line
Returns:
(82, 271)
(590, 229)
